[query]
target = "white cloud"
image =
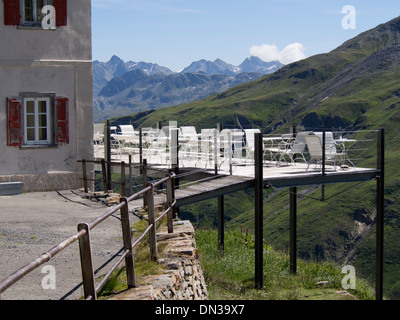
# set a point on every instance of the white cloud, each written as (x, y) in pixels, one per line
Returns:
(270, 52)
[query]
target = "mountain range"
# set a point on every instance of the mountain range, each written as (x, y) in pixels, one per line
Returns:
(121, 88)
(354, 87)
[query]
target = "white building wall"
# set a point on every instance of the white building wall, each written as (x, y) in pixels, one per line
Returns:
(52, 61)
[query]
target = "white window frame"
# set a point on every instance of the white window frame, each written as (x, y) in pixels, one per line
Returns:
(35, 21)
(49, 122)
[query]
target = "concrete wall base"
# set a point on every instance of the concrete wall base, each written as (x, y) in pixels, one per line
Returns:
(52, 181)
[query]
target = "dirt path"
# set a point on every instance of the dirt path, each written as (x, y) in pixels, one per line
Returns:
(33, 223)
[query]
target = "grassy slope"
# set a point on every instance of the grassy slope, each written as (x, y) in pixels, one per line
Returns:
(230, 276)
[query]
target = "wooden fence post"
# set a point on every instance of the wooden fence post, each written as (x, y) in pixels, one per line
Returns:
(86, 263)
(127, 237)
(152, 221)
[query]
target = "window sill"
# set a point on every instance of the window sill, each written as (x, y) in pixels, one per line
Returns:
(38, 146)
(33, 27)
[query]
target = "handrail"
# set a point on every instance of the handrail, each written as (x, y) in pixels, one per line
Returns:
(89, 289)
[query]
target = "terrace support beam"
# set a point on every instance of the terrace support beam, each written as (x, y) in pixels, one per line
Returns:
(258, 188)
(293, 230)
(221, 213)
(293, 221)
(221, 225)
(380, 206)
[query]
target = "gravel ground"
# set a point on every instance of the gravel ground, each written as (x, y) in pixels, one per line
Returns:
(33, 223)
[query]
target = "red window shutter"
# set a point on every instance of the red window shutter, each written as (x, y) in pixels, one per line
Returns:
(61, 12)
(14, 121)
(11, 12)
(62, 136)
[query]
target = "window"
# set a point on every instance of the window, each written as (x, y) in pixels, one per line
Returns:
(37, 120)
(29, 12)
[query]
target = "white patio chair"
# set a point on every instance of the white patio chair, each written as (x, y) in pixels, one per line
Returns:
(207, 145)
(188, 145)
(289, 147)
(188, 131)
(330, 146)
(226, 145)
(116, 144)
(127, 129)
(250, 142)
(315, 149)
(156, 152)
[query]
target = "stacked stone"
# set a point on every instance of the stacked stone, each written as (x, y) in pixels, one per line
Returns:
(183, 279)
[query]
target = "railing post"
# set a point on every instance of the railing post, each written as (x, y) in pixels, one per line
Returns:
(216, 151)
(144, 172)
(170, 200)
(140, 148)
(174, 152)
(84, 175)
(152, 221)
(293, 229)
(86, 263)
(107, 152)
(104, 174)
(230, 151)
(130, 176)
(259, 248)
(323, 163)
(174, 147)
(380, 207)
(123, 180)
(323, 152)
(173, 183)
(127, 237)
(293, 219)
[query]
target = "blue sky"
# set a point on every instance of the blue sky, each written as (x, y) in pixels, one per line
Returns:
(173, 33)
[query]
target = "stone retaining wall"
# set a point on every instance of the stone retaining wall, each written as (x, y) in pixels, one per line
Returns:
(183, 279)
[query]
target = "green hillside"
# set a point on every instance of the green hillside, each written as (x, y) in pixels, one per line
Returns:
(355, 87)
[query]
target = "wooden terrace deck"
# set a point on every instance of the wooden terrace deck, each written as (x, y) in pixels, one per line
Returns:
(275, 177)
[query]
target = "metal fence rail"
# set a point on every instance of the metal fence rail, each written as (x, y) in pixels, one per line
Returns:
(83, 236)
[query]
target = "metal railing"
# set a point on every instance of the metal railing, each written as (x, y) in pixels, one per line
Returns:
(83, 236)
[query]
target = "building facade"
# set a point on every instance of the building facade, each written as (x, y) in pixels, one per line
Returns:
(46, 109)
